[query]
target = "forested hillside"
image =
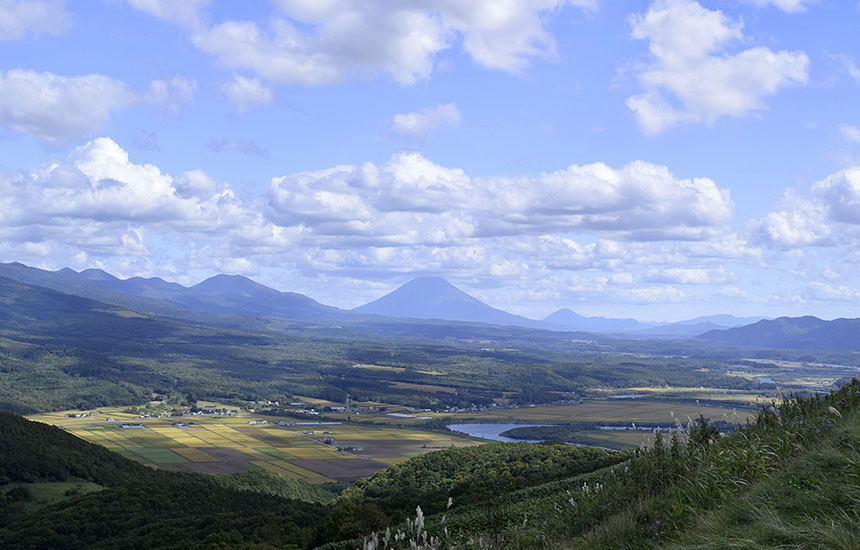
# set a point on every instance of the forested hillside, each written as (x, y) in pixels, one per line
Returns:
(59, 352)
(138, 507)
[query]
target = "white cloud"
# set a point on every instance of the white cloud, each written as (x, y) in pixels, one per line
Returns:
(840, 195)
(803, 224)
(413, 198)
(735, 293)
(20, 17)
(828, 215)
(419, 123)
(171, 95)
(790, 6)
(688, 275)
(850, 133)
(238, 266)
(185, 12)
(57, 109)
(693, 79)
(312, 43)
(827, 292)
(245, 93)
(582, 231)
(99, 202)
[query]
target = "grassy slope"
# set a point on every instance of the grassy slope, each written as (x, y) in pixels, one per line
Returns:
(814, 503)
(790, 479)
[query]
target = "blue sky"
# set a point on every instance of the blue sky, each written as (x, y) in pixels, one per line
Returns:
(657, 159)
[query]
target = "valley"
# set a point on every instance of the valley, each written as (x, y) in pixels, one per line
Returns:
(353, 415)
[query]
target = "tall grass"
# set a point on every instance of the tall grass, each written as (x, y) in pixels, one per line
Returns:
(658, 493)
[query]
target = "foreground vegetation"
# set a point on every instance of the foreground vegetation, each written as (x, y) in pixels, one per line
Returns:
(796, 464)
(788, 478)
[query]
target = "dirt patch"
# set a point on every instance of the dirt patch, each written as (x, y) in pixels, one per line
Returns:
(226, 454)
(266, 436)
(342, 469)
(216, 467)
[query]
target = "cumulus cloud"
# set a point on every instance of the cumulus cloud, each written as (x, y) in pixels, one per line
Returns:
(412, 198)
(423, 121)
(57, 109)
(585, 232)
(21, 17)
(312, 43)
(245, 93)
(171, 95)
(100, 203)
(828, 215)
(693, 78)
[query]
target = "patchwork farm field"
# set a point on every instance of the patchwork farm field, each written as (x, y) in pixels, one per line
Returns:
(342, 451)
(224, 445)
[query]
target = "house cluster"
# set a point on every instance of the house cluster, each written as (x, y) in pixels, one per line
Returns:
(79, 415)
(258, 422)
(305, 412)
(130, 426)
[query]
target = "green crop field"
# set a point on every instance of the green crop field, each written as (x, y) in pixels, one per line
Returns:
(225, 444)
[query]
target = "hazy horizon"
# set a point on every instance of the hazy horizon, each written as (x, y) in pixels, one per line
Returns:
(660, 160)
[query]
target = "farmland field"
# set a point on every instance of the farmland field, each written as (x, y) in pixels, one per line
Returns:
(223, 444)
(612, 410)
(344, 451)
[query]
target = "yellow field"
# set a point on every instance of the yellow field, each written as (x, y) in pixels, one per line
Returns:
(223, 444)
(427, 388)
(218, 444)
(379, 368)
(612, 410)
(702, 393)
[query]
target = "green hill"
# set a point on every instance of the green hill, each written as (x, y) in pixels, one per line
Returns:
(473, 474)
(139, 507)
(787, 480)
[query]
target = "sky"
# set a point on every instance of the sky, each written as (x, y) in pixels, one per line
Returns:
(656, 159)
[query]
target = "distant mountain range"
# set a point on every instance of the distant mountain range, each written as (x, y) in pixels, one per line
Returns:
(224, 294)
(792, 333)
(209, 301)
(569, 320)
(234, 300)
